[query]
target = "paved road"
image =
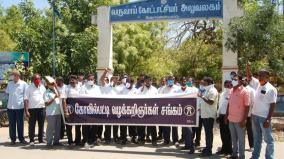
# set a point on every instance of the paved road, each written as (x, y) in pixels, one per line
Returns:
(113, 151)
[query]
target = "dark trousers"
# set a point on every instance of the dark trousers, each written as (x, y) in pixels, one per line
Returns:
(196, 132)
(208, 124)
(100, 131)
(132, 131)
(175, 134)
(77, 134)
(188, 137)
(107, 133)
(160, 134)
(249, 132)
(166, 134)
(62, 129)
(89, 133)
(152, 132)
(225, 135)
(141, 133)
(16, 119)
(123, 132)
(36, 115)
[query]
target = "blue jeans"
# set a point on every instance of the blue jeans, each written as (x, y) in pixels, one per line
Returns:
(16, 119)
(238, 139)
(258, 132)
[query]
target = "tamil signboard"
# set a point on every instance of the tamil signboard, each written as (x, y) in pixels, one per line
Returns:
(8, 60)
(151, 10)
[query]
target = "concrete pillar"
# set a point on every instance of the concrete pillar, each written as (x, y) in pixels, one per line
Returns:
(230, 59)
(105, 40)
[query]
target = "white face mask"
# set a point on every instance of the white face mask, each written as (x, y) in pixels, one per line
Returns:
(206, 87)
(127, 85)
(123, 80)
(90, 83)
(235, 83)
(11, 77)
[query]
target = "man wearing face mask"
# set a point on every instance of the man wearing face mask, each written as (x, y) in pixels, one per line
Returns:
(262, 110)
(147, 89)
(196, 131)
(208, 108)
(72, 90)
(16, 89)
(237, 111)
(35, 108)
(128, 90)
(224, 128)
(186, 131)
(90, 131)
(171, 88)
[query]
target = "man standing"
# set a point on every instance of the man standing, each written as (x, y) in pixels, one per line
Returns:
(237, 112)
(129, 89)
(147, 89)
(61, 90)
(248, 124)
(16, 89)
(90, 131)
(224, 128)
(186, 131)
(53, 113)
(262, 110)
(208, 107)
(35, 108)
(170, 88)
(72, 90)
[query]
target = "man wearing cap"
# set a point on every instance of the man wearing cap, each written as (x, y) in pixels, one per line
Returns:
(53, 113)
(16, 89)
(35, 108)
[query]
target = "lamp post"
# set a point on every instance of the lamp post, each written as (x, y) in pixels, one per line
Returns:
(53, 37)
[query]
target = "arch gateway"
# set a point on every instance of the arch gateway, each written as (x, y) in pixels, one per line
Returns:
(166, 10)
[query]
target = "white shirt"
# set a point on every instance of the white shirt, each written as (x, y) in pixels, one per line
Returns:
(62, 89)
(127, 91)
(34, 95)
(223, 102)
(170, 90)
(71, 91)
(264, 96)
(254, 83)
(160, 89)
(187, 90)
(108, 90)
(251, 97)
(90, 89)
(209, 111)
(147, 91)
(16, 93)
(118, 88)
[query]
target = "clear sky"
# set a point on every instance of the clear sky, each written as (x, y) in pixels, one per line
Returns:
(40, 4)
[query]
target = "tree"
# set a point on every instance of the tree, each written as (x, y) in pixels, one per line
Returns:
(258, 37)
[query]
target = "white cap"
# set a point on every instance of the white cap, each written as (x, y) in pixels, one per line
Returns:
(49, 79)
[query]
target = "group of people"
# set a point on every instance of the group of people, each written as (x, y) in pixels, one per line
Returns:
(245, 104)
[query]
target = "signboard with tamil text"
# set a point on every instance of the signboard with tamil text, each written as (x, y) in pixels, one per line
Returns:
(151, 10)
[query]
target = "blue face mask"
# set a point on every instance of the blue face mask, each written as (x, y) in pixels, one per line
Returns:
(201, 89)
(189, 84)
(170, 82)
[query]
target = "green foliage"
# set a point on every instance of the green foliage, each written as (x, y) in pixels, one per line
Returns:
(135, 45)
(258, 37)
